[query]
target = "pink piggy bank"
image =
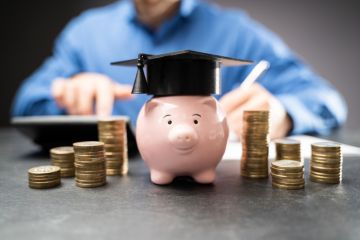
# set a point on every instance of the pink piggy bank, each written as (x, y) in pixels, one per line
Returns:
(182, 136)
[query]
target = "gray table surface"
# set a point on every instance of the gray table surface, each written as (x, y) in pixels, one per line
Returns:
(132, 208)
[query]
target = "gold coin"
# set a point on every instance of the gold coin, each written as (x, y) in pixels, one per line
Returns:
(254, 166)
(90, 185)
(44, 181)
(287, 142)
(325, 175)
(113, 136)
(91, 180)
(112, 119)
(255, 156)
(45, 175)
(64, 150)
(104, 129)
(90, 166)
(284, 186)
(256, 113)
(330, 159)
(88, 146)
(289, 182)
(63, 158)
(288, 175)
(325, 170)
(328, 181)
(90, 154)
(90, 172)
(326, 165)
(328, 145)
(114, 161)
(113, 143)
(113, 165)
(90, 175)
(62, 162)
(287, 165)
(117, 149)
(44, 170)
(252, 153)
(254, 174)
(255, 131)
(89, 160)
(44, 184)
(326, 159)
(115, 156)
(67, 170)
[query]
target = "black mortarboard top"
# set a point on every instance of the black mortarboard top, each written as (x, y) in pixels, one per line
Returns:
(179, 73)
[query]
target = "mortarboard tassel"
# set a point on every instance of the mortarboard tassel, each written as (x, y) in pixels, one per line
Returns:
(140, 84)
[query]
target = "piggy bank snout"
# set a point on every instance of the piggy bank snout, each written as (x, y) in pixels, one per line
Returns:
(183, 137)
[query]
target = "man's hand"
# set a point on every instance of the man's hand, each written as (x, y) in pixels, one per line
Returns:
(79, 94)
(255, 98)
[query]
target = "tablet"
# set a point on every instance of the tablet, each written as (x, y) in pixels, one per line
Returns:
(54, 131)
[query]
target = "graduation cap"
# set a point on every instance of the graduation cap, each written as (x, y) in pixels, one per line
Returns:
(179, 73)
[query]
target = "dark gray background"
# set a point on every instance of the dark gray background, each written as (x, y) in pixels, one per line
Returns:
(325, 33)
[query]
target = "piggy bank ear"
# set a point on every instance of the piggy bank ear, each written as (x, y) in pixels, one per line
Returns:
(151, 105)
(209, 102)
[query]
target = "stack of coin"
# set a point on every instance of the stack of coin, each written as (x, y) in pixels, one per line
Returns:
(89, 164)
(287, 174)
(44, 177)
(288, 149)
(63, 157)
(112, 132)
(326, 163)
(255, 144)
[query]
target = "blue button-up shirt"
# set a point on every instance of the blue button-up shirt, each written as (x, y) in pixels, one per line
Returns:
(99, 36)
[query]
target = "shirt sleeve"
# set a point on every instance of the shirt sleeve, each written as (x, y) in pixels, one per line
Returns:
(313, 104)
(34, 96)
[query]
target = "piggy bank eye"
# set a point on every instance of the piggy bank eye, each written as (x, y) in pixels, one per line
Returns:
(169, 122)
(196, 121)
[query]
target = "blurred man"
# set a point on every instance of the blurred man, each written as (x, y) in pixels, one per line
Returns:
(78, 79)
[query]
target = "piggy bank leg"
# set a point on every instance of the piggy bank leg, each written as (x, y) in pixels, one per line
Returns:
(161, 178)
(205, 177)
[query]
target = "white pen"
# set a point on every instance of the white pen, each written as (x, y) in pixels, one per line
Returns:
(255, 73)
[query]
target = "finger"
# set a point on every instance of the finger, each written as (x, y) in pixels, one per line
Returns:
(69, 100)
(85, 99)
(57, 91)
(104, 98)
(230, 101)
(122, 91)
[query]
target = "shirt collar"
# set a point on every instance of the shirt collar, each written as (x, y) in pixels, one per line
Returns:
(185, 10)
(187, 7)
